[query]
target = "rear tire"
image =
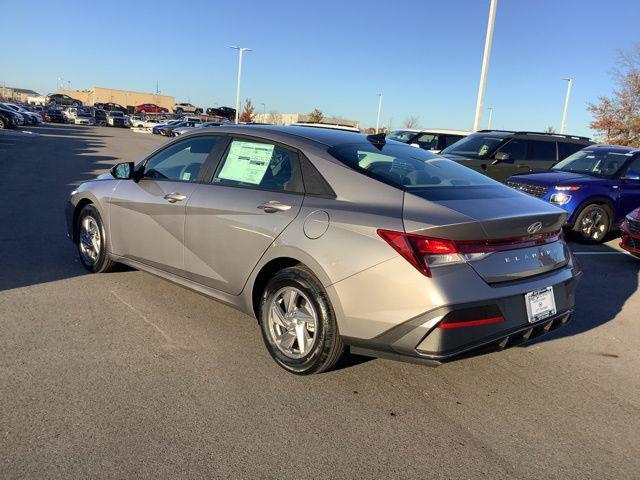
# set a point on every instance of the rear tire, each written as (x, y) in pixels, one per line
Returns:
(92, 241)
(298, 323)
(593, 223)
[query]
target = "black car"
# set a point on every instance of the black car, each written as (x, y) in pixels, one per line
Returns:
(100, 116)
(501, 153)
(224, 112)
(8, 118)
(110, 106)
(54, 115)
(61, 99)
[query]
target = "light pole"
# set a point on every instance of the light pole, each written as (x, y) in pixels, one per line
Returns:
(379, 108)
(264, 112)
(241, 50)
(566, 104)
(485, 63)
(490, 118)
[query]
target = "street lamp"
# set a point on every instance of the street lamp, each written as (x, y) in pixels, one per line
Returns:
(485, 63)
(379, 108)
(566, 104)
(264, 112)
(490, 118)
(241, 50)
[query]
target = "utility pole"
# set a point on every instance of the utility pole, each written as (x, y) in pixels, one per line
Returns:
(563, 125)
(379, 108)
(490, 118)
(485, 64)
(241, 51)
(264, 112)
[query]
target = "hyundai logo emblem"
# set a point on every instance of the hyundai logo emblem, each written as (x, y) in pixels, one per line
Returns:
(534, 228)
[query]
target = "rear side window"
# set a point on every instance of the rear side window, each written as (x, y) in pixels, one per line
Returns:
(428, 141)
(451, 139)
(566, 149)
(248, 163)
(541, 151)
(407, 167)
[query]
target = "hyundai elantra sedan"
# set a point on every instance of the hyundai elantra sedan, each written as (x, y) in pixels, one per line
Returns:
(335, 241)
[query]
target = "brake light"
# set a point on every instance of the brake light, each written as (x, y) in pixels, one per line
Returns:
(424, 252)
(471, 323)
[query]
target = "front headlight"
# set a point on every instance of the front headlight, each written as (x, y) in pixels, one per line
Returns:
(560, 198)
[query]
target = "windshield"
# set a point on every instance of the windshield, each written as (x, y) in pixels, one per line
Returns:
(478, 145)
(116, 113)
(597, 162)
(407, 167)
(403, 136)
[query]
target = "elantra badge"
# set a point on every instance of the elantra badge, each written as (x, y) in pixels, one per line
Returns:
(534, 228)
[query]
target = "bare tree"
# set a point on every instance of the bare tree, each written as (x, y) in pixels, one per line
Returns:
(617, 118)
(316, 116)
(550, 129)
(248, 111)
(411, 121)
(275, 118)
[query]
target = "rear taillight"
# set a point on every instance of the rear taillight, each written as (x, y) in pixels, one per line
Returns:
(424, 252)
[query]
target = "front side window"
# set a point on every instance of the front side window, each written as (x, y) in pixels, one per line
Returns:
(401, 135)
(541, 151)
(515, 149)
(181, 161)
(596, 162)
(478, 145)
(428, 141)
(451, 139)
(407, 167)
(248, 163)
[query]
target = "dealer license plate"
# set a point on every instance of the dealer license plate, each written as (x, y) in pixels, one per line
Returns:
(541, 304)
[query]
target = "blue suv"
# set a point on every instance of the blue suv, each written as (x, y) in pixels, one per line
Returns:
(597, 185)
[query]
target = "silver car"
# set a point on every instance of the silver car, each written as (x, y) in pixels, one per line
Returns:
(332, 239)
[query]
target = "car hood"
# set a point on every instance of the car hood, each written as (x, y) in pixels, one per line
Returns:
(554, 177)
(454, 157)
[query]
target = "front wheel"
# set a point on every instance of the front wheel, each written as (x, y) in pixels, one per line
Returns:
(298, 323)
(3, 125)
(593, 223)
(92, 241)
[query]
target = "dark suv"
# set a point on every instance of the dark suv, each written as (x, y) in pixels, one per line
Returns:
(500, 154)
(60, 99)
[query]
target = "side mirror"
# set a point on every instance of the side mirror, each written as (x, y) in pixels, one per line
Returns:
(123, 171)
(631, 175)
(501, 157)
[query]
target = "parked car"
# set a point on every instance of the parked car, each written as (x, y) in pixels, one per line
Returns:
(100, 116)
(224, 112)
(597, 186)
(500, 154)
(29, 118)
(109, 106)
(631, 233)
(150, 108)
(384, 247)
(182, 130)
(115, 118)
(61, 99)
(148, 123)
(167, 130)
(428, 139)
(84, 117)
(181, 108)
(55, 115)
(9, 118)
(156, 129)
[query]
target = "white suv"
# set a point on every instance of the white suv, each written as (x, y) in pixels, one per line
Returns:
(180, 108)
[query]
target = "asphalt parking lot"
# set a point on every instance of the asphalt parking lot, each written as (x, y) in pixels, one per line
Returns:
(124, 375)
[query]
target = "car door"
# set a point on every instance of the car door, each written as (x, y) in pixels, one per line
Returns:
(541, 155)
(629, 187)
(255, 192)
(514, 153)
(148, 215)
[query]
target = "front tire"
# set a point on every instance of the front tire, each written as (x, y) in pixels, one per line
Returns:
(92, 241)
(298, 323)
(593, 223)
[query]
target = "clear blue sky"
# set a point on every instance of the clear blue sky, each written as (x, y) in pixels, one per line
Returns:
(424, 56)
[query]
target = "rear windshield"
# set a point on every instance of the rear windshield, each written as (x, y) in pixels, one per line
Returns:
(477, 145)
(407, 167)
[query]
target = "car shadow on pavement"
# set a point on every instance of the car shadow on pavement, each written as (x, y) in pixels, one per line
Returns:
(610, 278)
(39, 173)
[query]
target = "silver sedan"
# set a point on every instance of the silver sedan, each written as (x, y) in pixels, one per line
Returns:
(332, 239)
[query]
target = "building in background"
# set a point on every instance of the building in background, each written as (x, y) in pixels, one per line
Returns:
(289, 118)
(17, 94)
(125, 98)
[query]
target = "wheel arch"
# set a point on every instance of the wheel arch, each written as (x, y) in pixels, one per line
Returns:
(595, 200)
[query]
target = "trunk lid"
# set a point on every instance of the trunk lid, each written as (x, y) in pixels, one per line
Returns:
(515, 228)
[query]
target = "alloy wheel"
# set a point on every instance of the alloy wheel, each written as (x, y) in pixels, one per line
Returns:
(292, 321)
(594, 225)
(89, 240)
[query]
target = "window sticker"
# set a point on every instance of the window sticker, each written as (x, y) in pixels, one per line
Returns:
(247, 162)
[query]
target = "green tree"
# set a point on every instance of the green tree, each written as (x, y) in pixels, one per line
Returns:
(316, 116)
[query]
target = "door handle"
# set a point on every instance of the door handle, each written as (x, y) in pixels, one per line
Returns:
(174, 197)
(274, 206)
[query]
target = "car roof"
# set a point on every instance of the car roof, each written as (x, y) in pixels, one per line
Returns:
(617, 148)
(538, 135)
(433, 130)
